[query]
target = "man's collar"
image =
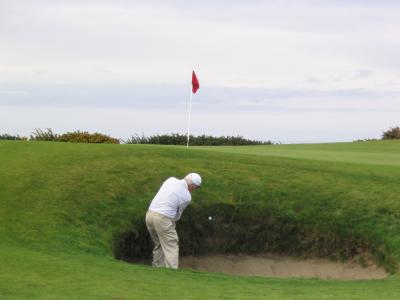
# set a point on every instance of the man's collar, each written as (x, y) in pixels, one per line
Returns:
(186, 184)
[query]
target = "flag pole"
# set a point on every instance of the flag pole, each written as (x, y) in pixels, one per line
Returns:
(190, 111)
(195, 86)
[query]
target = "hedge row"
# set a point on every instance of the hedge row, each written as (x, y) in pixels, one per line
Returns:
(166, 139)
(201, 140)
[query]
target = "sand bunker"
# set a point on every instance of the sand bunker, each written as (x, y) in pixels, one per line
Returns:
(281, 266)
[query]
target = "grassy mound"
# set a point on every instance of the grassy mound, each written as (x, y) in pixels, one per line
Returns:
(93, 198)
(80, 199)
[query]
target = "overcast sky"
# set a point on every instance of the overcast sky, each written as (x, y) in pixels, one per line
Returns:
(289, 71)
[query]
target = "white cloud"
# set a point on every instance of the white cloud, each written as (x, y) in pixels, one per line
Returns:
(317, 48)
(276, 44)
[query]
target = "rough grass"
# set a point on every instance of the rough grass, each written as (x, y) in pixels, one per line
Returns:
(63, 206)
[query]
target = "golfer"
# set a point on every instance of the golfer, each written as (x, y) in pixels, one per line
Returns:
(165, 209)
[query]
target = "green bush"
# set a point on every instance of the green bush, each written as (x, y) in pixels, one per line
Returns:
(43, 135)
(201, 140)
(6, 136)
(392, 133)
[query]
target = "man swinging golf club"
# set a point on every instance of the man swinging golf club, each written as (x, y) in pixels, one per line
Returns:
(165, 209)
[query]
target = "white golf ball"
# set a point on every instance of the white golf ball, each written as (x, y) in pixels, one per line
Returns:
(209, 218)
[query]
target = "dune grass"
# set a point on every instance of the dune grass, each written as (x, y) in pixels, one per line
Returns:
(62, 205)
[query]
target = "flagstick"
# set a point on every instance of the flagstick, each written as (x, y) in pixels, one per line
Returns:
(190, 111)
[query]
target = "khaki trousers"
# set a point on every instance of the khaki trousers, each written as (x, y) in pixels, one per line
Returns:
(165, 239)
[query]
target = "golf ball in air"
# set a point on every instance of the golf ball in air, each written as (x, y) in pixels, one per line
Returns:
(210, 218)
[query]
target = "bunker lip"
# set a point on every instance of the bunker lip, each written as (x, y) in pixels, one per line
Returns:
(253, 230)
(272, 265)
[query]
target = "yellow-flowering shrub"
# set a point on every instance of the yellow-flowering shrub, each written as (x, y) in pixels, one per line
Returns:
(86, 137)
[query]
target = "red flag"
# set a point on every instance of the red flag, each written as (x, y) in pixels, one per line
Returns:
(195, 83)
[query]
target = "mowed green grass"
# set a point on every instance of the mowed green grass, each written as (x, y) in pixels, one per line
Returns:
(62, 204)
(30, 274)
(376, 153)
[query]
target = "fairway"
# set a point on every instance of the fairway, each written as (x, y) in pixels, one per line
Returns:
(376, 153)
(66, 210)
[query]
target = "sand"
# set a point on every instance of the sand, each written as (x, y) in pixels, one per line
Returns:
(268, 265)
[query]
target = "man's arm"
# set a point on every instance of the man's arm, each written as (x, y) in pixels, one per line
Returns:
(180, 209)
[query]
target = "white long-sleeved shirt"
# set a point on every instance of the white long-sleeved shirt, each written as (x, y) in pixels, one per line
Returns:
(172, 198)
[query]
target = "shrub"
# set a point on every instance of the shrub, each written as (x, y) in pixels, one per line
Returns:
(72, 137)
(6, 136)
(201, 140)
(136, 139)
(43, 135)
(392, 133)
(86, 137)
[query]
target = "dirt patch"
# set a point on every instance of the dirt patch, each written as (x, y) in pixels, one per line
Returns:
(268, 265)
